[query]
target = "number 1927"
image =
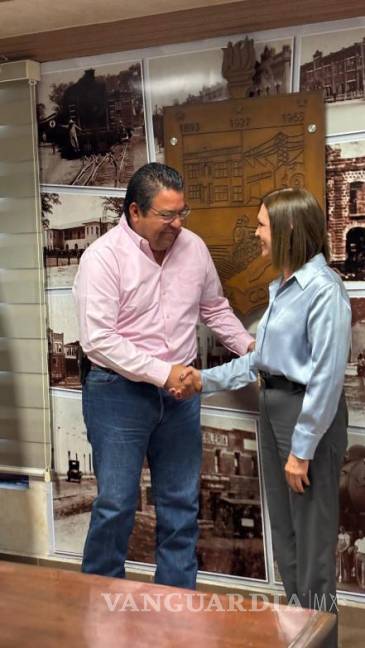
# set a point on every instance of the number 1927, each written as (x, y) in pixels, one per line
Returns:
(239, 122)
(293, 117)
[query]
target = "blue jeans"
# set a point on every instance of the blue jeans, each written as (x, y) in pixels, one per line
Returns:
(126, 421)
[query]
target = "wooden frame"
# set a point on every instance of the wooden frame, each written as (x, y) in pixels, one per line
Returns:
(175, 27)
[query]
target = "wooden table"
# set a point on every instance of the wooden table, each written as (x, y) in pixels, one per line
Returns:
(54, 608)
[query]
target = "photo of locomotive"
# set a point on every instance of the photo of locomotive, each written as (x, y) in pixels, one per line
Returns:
(91, 126)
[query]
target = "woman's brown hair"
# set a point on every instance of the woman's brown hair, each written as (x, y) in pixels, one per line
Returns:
(298, 228)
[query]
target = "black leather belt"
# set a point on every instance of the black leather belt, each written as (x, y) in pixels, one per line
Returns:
(93, 365)
(271, 381)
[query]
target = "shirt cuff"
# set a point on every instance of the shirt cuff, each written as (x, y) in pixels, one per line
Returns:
(158, 372)
(304, 444)
(203, 381)
(244, 340)
(209, 385)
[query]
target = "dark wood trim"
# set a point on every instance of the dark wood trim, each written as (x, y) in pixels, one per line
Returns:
(176, 27)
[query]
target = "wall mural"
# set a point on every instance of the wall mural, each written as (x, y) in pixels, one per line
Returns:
(92, 133)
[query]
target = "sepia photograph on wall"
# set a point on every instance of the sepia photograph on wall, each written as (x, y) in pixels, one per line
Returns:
(355, 371)
(91, 125)
(334, 63)
(232, 534)
(350, 554)
(63, 341)
(74, 485)
(210, 75)
(71, 222)
(345, 194)
(230, 519)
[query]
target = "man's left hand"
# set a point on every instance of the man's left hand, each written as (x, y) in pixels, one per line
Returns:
(296, 473)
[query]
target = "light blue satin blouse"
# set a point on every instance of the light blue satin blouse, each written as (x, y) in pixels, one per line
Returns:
(304, 335)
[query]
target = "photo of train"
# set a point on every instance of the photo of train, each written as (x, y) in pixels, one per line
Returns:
(91, 126)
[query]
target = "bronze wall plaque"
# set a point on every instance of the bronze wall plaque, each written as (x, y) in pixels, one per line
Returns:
(231, 153)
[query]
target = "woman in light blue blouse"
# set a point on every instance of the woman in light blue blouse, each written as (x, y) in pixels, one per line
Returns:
(301, 352)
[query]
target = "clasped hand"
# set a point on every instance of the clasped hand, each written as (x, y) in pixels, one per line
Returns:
(183, 382)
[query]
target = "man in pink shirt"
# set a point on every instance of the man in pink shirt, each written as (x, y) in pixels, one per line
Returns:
(140, 291)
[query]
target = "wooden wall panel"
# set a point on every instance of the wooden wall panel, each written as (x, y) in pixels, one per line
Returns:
(175, 27)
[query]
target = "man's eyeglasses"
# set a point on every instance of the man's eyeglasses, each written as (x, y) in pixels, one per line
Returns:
(169, 216)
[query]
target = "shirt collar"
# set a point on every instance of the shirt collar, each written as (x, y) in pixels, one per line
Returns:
(141, 242)
(306, 273)
(138, 240)
(303, 276)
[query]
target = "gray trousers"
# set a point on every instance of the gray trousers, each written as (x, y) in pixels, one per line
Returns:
(304, 526)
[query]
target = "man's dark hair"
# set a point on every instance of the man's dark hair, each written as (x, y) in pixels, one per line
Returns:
(147, 182)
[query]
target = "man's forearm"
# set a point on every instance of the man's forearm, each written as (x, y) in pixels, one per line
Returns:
(228, 329)
(124, 357)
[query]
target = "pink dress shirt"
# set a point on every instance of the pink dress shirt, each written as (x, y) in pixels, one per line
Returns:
(138, 317)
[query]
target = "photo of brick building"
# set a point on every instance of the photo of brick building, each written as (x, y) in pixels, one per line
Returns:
(334, 62)
(63, 342)
(230, 516)
(355, 370)
(339, 73)
(345, 178)
(62, 361)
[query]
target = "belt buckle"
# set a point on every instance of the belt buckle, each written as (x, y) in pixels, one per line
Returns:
(261, 380)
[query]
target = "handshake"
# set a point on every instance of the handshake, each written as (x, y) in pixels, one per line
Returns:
(183, 382)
